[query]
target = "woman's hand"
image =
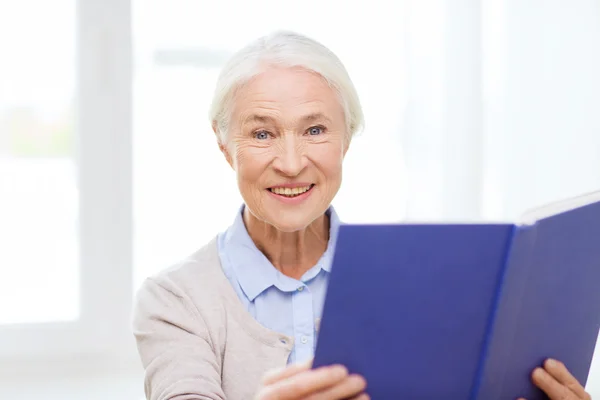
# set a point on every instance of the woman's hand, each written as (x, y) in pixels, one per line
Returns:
(300, 382)
(558, 383)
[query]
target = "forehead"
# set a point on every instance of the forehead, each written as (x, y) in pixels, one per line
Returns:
(287, 92)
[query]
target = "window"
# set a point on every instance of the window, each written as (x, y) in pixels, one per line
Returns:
(39, 206)
(65, 155)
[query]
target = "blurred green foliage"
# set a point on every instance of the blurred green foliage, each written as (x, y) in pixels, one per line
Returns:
(26, 134)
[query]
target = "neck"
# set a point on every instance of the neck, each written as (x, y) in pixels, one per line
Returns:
(292, 253)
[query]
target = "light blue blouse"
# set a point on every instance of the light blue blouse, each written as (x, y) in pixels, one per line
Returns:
(280, 303)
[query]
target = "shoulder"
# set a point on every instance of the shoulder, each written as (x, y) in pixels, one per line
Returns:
(196, 279)
(203, 266)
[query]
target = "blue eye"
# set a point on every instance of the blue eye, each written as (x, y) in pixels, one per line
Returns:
(261, 135)
(315, 130)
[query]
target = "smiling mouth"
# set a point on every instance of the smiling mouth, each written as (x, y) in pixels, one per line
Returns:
(291, 192)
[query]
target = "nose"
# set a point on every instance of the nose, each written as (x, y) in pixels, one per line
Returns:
(291, 158)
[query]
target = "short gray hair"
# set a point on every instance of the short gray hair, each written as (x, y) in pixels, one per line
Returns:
(288, 49)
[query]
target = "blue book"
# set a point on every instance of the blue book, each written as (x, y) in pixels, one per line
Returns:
(465, 311)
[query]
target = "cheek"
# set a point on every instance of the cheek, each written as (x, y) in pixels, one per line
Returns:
(329, 160)
(333, 173)
(250, 164)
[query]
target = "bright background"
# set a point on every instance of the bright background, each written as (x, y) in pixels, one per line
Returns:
(476, 110)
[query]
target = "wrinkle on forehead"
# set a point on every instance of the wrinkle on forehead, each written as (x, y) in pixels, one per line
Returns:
(274, 91)
(259, 116)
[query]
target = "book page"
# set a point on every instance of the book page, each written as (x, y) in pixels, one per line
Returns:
(532, 216)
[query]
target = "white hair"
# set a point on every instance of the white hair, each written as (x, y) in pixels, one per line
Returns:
(287, 49)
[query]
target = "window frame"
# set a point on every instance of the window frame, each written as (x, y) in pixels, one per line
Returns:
(104, 177)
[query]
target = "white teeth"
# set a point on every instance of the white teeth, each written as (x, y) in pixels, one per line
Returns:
(290, 192)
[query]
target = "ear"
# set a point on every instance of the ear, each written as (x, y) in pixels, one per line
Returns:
(347, 145)
(227, 155)
(222, 146)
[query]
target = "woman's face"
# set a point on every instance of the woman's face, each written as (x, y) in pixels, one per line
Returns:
(286, 142)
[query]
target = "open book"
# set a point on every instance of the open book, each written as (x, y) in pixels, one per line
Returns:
(465, 311)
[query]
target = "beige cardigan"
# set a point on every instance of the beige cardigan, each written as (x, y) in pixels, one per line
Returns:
(195, 338)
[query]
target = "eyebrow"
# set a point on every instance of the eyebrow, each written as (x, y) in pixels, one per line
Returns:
(315, 117)
(266, 119)
(258, 118)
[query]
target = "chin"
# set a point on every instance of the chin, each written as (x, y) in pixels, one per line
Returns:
(289, 221)
(289, 225)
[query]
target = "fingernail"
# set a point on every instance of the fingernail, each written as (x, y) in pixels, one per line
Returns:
(538, 373)
(338, 371)
(551, 363)
(360, 381)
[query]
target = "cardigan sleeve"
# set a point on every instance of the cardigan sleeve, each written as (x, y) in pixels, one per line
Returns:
(175, 346)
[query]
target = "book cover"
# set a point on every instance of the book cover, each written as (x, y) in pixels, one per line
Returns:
(465, 311)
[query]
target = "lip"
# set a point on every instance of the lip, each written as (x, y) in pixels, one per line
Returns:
(292, 185)
(293, 200)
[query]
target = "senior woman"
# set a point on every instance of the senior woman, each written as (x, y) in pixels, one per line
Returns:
(238, 319)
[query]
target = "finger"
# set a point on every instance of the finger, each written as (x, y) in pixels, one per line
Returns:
(362, 396)
(350, 387)
(560, 372)
(304, 384)
(553, 388)
(282, 373)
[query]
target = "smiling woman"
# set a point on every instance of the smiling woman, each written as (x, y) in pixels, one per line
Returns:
(248, 302)
(284, 114)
